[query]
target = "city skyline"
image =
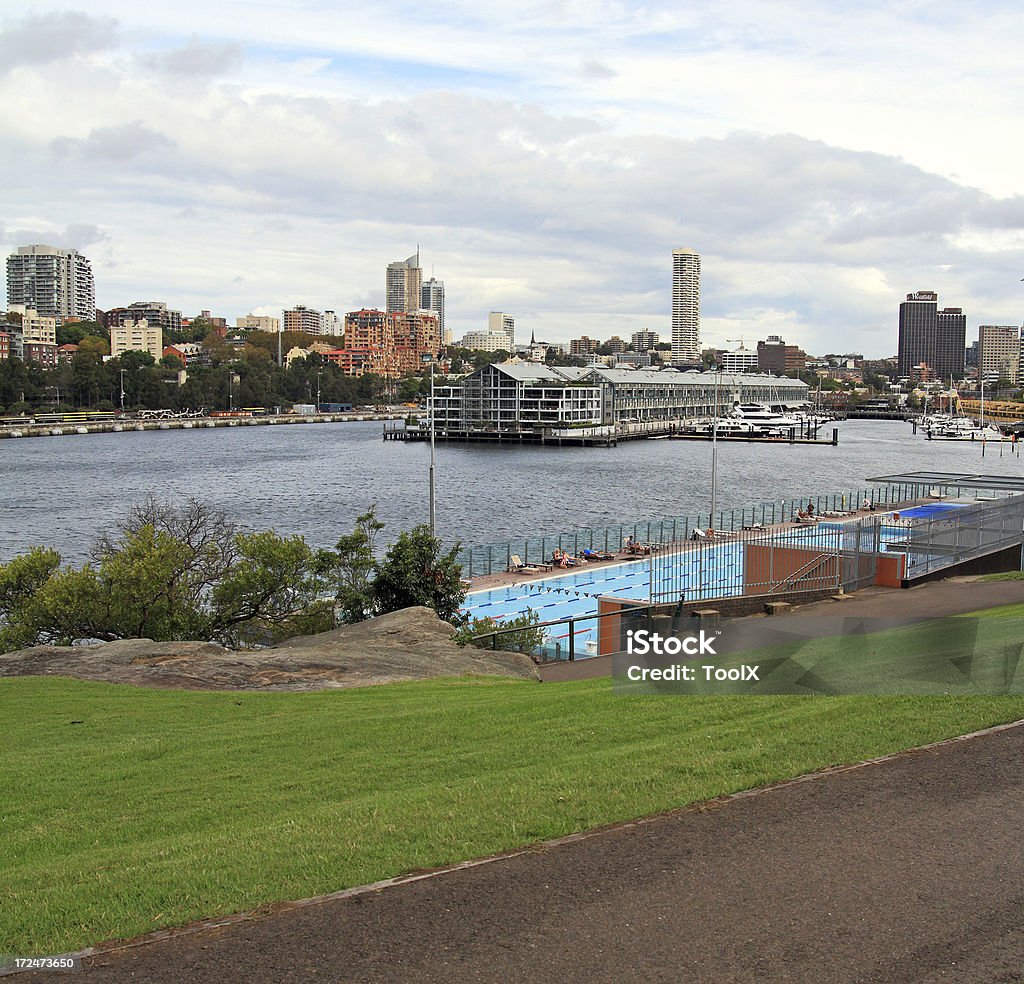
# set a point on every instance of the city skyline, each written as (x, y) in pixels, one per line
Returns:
(281, 160)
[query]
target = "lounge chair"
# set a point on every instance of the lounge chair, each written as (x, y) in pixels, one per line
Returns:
(516, 566)
(589, 554)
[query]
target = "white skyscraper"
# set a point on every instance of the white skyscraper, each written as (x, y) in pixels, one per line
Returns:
(432, 299)
(58, 283)
(685, 307)
(404, 280)
(498, 321)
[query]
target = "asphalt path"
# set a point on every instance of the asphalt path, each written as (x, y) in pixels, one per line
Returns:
(910, 869)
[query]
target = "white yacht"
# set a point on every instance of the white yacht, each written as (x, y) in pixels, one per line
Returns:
(763, 416)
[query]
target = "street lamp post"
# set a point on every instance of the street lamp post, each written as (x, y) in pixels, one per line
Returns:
(714, 450)
(318, 375)
(433, 516)
(123, 371)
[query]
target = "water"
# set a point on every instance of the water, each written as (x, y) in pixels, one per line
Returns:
(315, 480)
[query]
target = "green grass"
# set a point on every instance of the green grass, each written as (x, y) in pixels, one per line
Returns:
(165, 806)
(1007, 576)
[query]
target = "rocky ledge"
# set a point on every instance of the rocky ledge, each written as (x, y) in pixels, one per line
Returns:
(413, 644)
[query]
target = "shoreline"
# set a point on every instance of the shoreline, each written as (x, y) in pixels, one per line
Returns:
(13, 432)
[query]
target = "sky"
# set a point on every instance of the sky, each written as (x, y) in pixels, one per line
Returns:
(825, 159)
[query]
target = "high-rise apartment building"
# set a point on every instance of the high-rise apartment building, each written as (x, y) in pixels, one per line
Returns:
(152, 312)
(301, 318)
(404, 284)
(498, 322)
(583, 345)
(432, 299)
(645, 341)
(137, 336)
(256, 322)
(35, 327)
(930, 337)
(685, 307)
(58, 283)
(485, 341)
(999, 352)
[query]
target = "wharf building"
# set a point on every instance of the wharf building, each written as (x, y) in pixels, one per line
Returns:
(520, 396)
(58, 283)
(930, 337)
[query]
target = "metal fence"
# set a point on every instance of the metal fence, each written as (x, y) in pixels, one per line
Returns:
(935, 542)
(773, 563)
(496, 557)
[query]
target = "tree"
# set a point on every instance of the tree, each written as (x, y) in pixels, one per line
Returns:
(168, 573)
(272, 591)
(415, 572)
(354, 565)
(20, 582)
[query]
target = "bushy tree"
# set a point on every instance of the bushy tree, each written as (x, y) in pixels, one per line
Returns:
(168, 572)
(354, 565)
(416, 572)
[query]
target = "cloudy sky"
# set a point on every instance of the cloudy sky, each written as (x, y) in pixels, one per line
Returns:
(824, 158)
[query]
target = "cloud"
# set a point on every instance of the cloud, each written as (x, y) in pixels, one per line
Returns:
(196, 59)
(56, 36)
(593, 69)
(114, 143)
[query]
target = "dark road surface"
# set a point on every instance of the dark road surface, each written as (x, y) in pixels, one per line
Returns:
(910, 869)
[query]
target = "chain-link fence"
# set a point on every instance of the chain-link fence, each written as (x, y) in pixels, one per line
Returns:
(497, 557)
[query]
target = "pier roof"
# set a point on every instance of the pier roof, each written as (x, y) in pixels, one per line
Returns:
(963, 480)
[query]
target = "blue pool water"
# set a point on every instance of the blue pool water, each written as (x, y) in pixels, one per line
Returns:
(930, 509)
(715, 570)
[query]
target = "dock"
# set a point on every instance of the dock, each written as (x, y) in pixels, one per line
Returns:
(129, 425)
(605, 437)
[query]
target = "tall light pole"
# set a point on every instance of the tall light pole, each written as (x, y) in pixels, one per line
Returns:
(433, 518)
(714, 449)
(123, 371)
(319, 373)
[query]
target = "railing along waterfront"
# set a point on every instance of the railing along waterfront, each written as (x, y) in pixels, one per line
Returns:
(494, 558)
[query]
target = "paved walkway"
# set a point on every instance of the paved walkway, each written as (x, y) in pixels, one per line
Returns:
(907, 870)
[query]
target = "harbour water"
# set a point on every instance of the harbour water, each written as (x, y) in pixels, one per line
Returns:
(314, 481)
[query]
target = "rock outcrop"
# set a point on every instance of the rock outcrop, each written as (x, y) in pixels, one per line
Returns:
(412, 644)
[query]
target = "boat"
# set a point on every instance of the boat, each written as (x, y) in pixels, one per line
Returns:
(963, 433)
(762, 416)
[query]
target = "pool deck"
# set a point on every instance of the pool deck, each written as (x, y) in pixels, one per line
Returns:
(510, 578)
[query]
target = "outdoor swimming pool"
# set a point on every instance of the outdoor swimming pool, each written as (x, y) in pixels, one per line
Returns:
(715, 570)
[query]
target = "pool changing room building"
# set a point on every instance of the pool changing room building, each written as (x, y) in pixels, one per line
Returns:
(525, 396)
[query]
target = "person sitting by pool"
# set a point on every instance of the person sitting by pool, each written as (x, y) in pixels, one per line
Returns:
(589, 554)
(636, 547)
(810, 508)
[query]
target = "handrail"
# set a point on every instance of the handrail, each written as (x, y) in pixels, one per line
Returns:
(800, 571)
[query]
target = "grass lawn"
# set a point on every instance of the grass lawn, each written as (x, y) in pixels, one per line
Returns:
(123, 810)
